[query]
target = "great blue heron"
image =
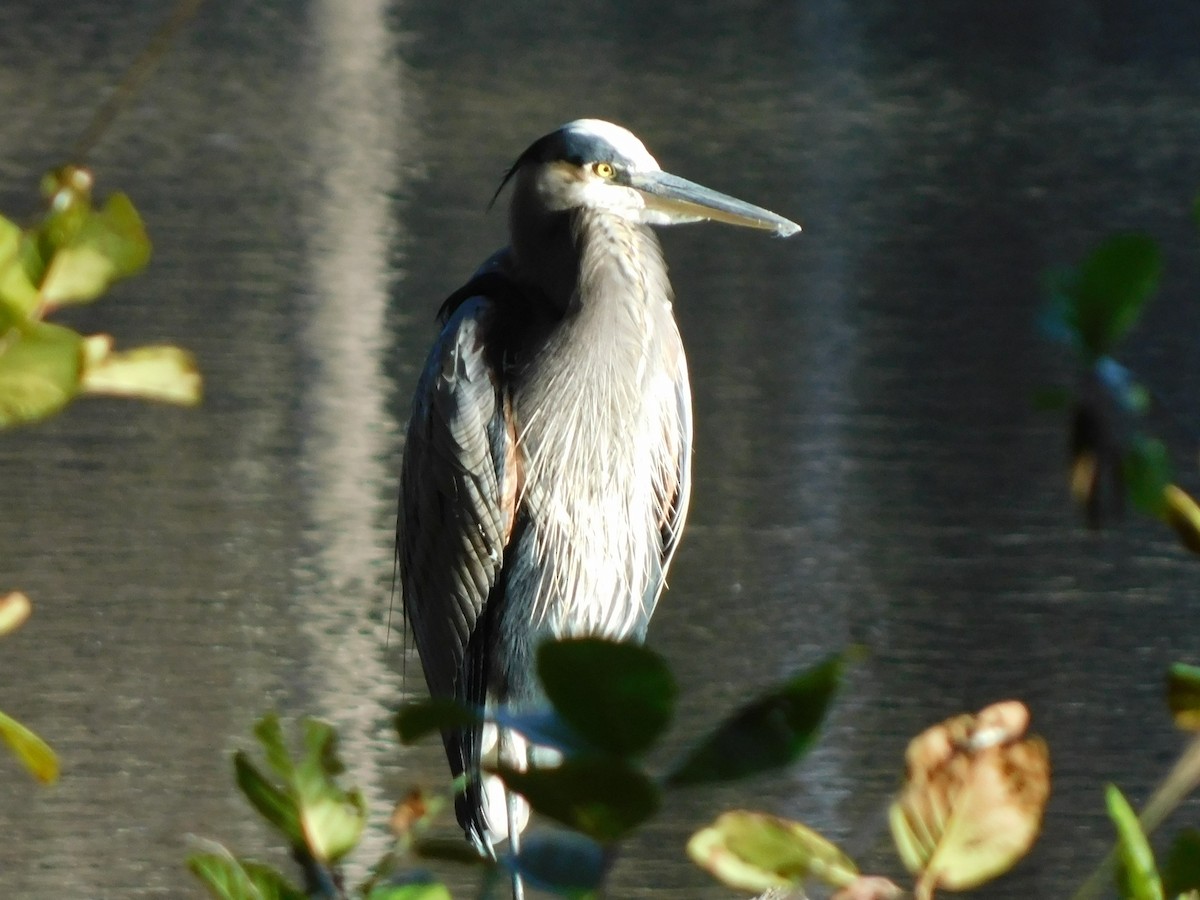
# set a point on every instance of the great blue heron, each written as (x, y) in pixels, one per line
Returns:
(546, 472)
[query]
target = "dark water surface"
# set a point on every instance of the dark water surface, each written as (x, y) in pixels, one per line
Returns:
(868, 467)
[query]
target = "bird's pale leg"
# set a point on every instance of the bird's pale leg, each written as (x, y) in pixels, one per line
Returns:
(509, 751)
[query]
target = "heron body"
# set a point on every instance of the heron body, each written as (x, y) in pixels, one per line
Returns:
(547, 465)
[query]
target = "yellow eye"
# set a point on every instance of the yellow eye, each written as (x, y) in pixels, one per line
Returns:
(604, 170)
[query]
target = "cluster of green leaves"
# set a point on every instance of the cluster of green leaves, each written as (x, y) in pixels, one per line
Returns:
(1114, 456)
(71, 255)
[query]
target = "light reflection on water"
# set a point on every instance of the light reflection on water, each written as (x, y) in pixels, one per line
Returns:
(867, 465)
(359, 90)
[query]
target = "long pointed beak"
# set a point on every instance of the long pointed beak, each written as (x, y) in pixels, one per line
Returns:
(679, 200)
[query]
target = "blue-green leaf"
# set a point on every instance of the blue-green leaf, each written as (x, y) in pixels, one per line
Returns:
(561, 863)
(618, 696)
(769, 732)
(602, 797)
(420, 718)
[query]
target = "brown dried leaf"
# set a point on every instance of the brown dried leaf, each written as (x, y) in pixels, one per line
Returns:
(409, 812)
(973, 802)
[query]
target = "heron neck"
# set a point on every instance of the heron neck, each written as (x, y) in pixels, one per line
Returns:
(564, 254)
(619, 261)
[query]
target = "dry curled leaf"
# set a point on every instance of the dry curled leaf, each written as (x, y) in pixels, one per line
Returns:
(973, 801)
(412, 813)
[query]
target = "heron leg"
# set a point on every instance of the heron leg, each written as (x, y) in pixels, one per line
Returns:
(510, 753)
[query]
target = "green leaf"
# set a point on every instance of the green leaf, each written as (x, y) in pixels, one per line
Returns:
(1147, 471)
(167, 374)
(561, 863)
(602, 797)
(31, 751)
(423, 891)
(312, 811)
(753, 851)
(1182, 872)
(269, 732)
(39, 372)
(223, 876)
(1183, 515)
(1137, 875)
(420, 718)
(1183, 695)
(1111, 288)
(271, 884)
(14, 610)
(771, 731)
(108, 244)
(333, 819)
(272, 804)
(1119, 384)
(18, 294)
(617, 696)
(228, 878)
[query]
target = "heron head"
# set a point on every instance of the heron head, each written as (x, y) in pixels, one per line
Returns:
(593, 164)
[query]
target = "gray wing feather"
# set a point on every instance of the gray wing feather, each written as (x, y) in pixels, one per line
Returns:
(454, 525)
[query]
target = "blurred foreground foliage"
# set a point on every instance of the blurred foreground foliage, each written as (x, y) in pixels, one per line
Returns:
(70, 255)
(972, 804)
(1116, 460)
